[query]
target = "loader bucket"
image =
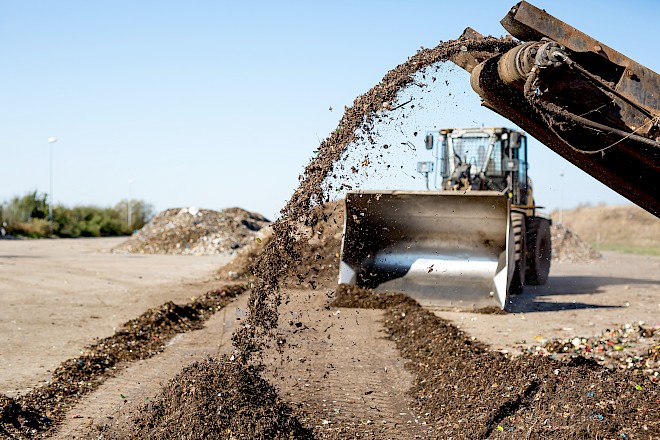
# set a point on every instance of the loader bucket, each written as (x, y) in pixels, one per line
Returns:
(444, 249)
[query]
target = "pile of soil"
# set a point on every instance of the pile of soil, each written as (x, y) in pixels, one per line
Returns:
(319, 258)
(192, 231)
(219, 399)
(140, 338)
(568, 246)
(633, 346)
(467, 391)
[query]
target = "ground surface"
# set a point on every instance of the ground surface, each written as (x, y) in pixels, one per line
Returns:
(57, 296)
(580, 299)
(337, 363)
(626, 227)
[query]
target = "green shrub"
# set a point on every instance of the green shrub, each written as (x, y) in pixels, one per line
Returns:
(28, 216)
(34, 228)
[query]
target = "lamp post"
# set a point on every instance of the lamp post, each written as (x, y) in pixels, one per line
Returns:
(130, 205)
(51, 141)
(561, 198)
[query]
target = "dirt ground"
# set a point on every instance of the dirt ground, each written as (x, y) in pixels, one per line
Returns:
(57, 296)
(580, 299)
(345, 373)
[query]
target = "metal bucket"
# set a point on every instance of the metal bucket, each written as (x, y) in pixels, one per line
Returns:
(444, 249)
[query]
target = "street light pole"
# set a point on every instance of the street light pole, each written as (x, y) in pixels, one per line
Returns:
(561, 198)
(130, 204)
(51, 141)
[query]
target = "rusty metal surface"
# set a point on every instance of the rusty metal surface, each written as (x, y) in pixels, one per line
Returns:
(629, 168)
(604, 143)
(639, 83)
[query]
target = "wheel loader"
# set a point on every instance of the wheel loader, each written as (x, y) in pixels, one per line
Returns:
(467, 244)
(479, 239)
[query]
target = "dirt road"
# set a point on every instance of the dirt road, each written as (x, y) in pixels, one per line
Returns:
(57, 296)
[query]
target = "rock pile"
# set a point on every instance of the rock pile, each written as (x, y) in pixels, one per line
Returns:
(568, 246)
(192, 231)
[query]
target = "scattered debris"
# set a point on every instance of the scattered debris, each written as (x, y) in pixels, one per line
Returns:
(466, 390)
(634, 347)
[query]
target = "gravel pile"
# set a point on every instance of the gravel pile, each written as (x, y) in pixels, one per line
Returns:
(568, 246)
(192, 231)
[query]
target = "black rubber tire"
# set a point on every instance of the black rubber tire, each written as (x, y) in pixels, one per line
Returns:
(519, 236)
(539, 251)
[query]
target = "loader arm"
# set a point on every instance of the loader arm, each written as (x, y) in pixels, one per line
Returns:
(590, 104)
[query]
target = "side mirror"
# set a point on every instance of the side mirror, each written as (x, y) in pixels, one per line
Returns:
(428, 141)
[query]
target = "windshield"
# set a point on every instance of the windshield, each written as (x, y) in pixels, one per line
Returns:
(474, 150)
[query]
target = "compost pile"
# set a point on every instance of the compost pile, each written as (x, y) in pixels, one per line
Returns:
(141, 338)
(219, 396)
(192, 231)
(466, 390)
(568, 246)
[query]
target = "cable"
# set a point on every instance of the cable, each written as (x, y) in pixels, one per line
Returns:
(531, 93)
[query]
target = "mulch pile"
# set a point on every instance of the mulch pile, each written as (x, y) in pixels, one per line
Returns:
(467, 391)
(219, 398)
(568, 246)
(192, 231)
(32, 414)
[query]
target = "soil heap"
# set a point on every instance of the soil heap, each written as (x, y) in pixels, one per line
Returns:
(192, 231)
(568, 246)
(219, 398)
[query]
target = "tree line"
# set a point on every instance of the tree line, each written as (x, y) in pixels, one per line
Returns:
(27, 216)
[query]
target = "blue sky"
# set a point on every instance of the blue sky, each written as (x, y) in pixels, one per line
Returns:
(218, 104)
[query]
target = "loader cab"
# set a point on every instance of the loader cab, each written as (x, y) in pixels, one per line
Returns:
(495, 159)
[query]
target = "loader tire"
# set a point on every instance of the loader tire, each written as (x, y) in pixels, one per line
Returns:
(539, 251)
(519, 235)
